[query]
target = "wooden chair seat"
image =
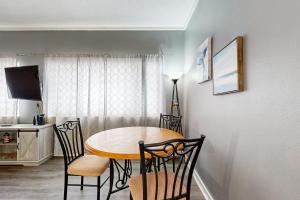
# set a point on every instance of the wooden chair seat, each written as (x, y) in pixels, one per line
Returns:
(88, 165)
(136, 186)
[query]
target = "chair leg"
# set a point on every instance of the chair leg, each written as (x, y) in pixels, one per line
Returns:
(66, 186)
(81, 187)
(111, 178)
(98, 187)
(130, 196)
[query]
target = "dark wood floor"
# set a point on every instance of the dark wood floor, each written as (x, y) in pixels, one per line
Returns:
(46, 182)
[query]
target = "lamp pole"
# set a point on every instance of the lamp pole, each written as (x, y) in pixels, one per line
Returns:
(175, 100)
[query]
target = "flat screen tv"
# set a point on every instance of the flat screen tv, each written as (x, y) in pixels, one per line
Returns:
(23, 82)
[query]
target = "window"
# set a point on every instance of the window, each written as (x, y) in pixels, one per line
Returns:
(7, 106)
(97, 86)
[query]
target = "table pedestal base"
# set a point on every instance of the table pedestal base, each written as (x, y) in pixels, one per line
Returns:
(123, 174)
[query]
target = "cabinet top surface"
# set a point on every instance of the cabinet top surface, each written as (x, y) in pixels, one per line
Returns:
(4, 127)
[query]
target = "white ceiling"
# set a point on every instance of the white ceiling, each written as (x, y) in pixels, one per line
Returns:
(95, 14)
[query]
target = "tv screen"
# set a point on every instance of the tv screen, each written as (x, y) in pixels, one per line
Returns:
(23, 82)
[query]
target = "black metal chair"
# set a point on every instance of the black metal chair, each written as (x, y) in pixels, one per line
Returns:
(166, 184)
(76, 163)
(171, 122)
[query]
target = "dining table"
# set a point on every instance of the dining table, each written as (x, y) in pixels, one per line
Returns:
(121, 146)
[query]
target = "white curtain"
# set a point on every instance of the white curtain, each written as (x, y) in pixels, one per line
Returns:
(103, 92)
(8, 107)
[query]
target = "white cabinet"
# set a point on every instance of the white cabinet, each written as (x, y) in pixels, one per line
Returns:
(32, 145)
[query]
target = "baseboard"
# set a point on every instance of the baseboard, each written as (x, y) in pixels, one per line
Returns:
(202, 186)
(27, 163)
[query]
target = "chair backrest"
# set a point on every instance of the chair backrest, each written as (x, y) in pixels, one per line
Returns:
(171, 122)
(185, 151)
(70, 138)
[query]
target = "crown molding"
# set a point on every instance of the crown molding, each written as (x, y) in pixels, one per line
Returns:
(103, 28)
(56, 28)
(188, 19)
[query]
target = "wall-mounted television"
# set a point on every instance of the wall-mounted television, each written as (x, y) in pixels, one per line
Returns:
(23, 82)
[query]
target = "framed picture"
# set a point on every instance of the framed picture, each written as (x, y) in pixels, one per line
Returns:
(203, 61)
(228, 68)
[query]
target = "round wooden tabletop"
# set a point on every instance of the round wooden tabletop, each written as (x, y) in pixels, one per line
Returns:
(122, 143)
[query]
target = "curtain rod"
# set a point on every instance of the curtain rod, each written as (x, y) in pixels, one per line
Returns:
(87, 54)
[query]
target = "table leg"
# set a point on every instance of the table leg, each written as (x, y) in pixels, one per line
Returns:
(123, 173)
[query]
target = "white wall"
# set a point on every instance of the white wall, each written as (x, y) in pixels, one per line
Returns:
(170, 43)
(28, 108)
(252, 150)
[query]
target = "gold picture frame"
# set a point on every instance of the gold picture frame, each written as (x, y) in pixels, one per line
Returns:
(228, 76)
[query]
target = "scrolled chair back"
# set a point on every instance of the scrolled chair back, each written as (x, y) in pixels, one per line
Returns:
(70, 138)
(171, 122)
(168, 184)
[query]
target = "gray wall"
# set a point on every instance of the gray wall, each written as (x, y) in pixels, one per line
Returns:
(170, 43)
(252, 150)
